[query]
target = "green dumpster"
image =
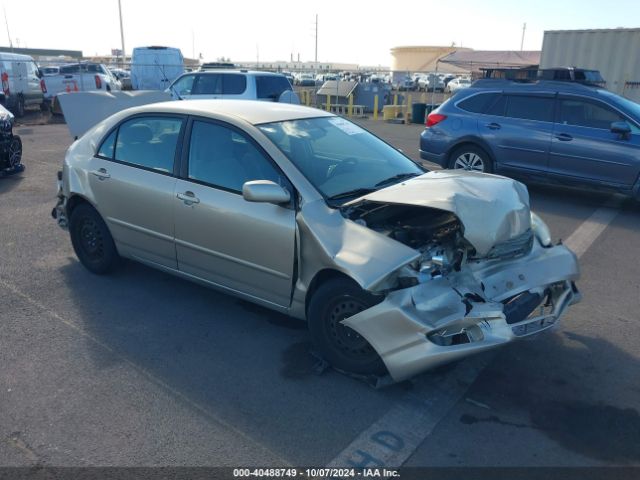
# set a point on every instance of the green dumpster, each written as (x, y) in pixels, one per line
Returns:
(417, 112)
(431, 107)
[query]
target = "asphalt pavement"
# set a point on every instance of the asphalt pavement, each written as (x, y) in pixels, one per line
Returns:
(141, 368)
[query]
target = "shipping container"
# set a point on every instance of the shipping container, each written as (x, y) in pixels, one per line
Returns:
(614, 52)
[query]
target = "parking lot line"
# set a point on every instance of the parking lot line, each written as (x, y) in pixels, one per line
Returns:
(587, 233)
(145, 373)
(392, 439)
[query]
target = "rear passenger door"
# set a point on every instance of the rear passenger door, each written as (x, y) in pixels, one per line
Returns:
(132, 178)
(519, 128)
(207, 85)
(583, 146)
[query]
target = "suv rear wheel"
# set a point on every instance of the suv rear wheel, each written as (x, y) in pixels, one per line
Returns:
(471, 158)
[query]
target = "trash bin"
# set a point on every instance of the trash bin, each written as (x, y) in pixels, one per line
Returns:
(431, 107)
(391, 112)
(418, 111)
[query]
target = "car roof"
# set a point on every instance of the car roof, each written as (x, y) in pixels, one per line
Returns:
(234, 70)
(536, 86)
(253, 112)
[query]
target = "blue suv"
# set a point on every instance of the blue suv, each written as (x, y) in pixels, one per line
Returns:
(547, 131)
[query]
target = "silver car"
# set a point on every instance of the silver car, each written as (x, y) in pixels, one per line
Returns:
(395, 269)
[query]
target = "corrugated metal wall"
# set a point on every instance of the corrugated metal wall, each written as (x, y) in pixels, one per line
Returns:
(615, 52)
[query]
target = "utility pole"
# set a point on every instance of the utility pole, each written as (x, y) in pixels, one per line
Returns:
(7, 24)
(316, 61)
(124, 55)
(524, 28)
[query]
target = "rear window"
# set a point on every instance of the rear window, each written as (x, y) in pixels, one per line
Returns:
(271, 86)
(478, 103)
(530, 108)
(70, 69)
(233, 84)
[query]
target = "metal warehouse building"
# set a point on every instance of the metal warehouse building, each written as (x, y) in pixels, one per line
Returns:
(615, 52)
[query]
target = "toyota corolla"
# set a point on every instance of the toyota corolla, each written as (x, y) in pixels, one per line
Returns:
(394, 268)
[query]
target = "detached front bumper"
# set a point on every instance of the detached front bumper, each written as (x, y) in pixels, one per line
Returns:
(485, 305)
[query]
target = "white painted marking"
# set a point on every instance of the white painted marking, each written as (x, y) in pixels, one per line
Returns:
(392, 439)
(587, 233)
(396, 435)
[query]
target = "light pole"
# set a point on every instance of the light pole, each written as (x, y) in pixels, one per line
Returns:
(124, 57)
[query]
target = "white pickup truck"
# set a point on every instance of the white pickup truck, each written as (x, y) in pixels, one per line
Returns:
(80, 77)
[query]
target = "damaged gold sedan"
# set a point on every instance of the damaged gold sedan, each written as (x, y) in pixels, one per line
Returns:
(395, 269)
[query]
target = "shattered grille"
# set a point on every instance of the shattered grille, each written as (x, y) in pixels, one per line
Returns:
(520, 245)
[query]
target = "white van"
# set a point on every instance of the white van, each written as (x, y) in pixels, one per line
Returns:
(154, 68)
(22, 84)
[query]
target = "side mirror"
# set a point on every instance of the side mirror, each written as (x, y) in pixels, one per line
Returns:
(621, 128)
(39, 73)
(265, 191)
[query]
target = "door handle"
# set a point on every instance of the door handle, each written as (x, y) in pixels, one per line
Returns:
(188, 198)
(493, 126)
(100, 173)
(564, 137)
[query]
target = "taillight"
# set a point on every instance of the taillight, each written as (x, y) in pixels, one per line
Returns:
(434, 119)
(5, 83)
(98, 82)
(43, 87)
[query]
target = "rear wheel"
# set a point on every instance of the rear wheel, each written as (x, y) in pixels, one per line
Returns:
(340, 345)
(20, 106)
(15, 152)
(92, 240)
(471, 158)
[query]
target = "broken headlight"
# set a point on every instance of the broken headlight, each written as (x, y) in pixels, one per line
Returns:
(540, 230)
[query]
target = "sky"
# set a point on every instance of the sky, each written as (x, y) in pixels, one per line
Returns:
(349, 31)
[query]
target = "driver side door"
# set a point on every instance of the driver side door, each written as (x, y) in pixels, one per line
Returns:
(240, 246)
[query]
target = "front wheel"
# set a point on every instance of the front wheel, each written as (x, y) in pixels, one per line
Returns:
(471, 158)
(20, 107)
(15, 152)
(92, 240)
(340, 345)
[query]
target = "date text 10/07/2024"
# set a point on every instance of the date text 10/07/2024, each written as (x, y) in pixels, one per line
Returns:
(315, 473)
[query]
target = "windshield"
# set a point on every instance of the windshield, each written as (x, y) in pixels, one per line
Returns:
(340, 159)
(632, 108)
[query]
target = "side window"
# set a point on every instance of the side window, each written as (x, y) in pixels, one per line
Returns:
(207, 84)
(184, 85)
(497, 107)
(271, 86)
(68, 69)
(224, 158)
(478, 103)
(149, 142)
(530, 107)
(108, 146)
(233, 84)
(587, 114)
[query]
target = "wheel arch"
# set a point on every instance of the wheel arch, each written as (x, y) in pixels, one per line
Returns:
(321, 277)
(475, 142)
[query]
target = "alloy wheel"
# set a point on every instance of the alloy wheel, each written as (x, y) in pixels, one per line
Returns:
(469, 161)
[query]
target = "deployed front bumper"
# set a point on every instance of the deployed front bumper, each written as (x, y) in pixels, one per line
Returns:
(486, 304)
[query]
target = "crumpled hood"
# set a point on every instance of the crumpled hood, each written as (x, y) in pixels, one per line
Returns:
(493, 209)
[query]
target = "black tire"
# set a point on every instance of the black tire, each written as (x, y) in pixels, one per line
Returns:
(92, 240)
(20, 107)
(14, 154)
(470, 157)
(45, 106)
(341, 346)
